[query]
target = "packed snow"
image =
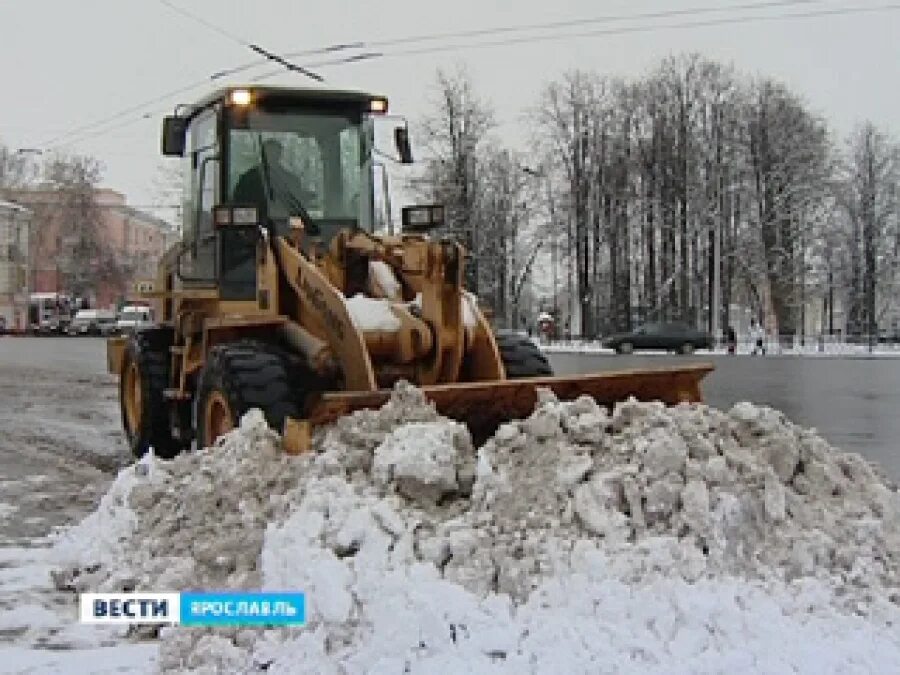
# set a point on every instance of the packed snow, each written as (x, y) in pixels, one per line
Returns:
(376, 314)
(642, 539)
(383, 276)
(371, 313)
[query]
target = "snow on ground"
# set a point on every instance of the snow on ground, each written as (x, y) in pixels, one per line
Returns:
(60, 445)
(842, 350)
(645, 539)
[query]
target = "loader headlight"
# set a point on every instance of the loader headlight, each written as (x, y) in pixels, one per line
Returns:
(378, 105)
(422, 218)
(241, 97)
(244, 215)
(225, 216)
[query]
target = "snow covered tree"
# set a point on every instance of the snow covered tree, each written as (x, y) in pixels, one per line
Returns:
(868, 191)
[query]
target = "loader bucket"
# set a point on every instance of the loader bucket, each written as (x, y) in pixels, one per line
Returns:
(483, 406)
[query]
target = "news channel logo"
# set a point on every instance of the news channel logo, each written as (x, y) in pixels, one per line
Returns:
(195, 608)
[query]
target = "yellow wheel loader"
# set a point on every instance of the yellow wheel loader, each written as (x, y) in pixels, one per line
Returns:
(281, 297)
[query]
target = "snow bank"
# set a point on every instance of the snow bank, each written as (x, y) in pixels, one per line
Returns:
(578, 539)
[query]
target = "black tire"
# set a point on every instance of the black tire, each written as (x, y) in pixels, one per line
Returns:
(247, 374)
(149, 352)
(686, 348)
(521, 357)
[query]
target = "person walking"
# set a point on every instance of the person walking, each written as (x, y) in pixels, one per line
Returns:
(731, 339)
(757, 338)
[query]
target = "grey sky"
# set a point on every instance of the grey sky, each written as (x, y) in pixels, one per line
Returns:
(65, 64)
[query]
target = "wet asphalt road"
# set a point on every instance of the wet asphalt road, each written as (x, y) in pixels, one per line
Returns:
(60, 441)
(854, 403)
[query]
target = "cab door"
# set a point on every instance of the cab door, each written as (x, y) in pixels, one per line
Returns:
(201, 188)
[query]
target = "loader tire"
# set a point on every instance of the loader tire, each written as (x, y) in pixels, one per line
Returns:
(521, 357)
(145, 413)
(237, 378)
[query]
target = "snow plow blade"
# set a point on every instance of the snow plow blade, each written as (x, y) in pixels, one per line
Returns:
(483, 406)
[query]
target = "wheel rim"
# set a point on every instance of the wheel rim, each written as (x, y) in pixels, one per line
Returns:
(217, 418)
(133, 398)
(627, 348)
(687, 349)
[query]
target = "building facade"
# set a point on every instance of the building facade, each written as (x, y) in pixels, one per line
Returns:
(130, 244)
(14, 266)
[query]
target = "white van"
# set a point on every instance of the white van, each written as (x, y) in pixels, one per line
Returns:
(134, 317)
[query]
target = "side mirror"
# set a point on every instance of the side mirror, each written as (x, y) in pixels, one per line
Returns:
(422, 218)
(174, 133)
(401, 140)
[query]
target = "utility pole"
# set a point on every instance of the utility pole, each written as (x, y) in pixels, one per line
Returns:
(554, 244)
(715, 296)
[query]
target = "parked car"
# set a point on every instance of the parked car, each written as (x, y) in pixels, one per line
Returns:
(134, 317)
(669, 336)
(93, 322)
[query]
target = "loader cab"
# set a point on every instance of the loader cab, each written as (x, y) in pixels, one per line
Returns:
(269, 154)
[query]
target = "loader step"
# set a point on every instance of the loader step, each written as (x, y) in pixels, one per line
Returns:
(483, 406)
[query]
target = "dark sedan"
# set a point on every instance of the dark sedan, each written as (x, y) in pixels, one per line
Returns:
(676, 337)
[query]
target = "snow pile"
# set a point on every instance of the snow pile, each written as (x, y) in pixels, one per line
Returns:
(194, 522)
(97, 540)
(577, 539)
(744, 492)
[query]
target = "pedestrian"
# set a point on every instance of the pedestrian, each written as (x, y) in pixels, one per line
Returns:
(731, 340)
(757, 337)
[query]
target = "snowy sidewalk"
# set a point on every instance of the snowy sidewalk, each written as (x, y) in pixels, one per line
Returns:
(841, 350)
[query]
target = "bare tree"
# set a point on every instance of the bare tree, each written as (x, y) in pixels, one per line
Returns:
(454, 134)
(17, 168)
(73, 217)
(790, 161)
(869, 192)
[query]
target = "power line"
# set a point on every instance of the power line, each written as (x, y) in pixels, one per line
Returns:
(548, 37)
(203, 22)
(267, 54)
(497, 30)
(76, 134)
(93, 129)
(646, 29)
(387, 42)
(76, 131)
(689, 11)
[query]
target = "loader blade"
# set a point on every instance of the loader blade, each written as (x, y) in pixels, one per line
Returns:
(483, 406)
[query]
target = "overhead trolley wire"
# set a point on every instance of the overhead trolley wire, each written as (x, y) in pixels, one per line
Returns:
(79, 133)
(499, 30)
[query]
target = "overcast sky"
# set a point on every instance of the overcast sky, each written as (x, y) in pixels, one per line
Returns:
(67, 64)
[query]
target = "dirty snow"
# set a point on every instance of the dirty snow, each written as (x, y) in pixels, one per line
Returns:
(579, 539)
(371, 313)
(383, 275)
(468, 304)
